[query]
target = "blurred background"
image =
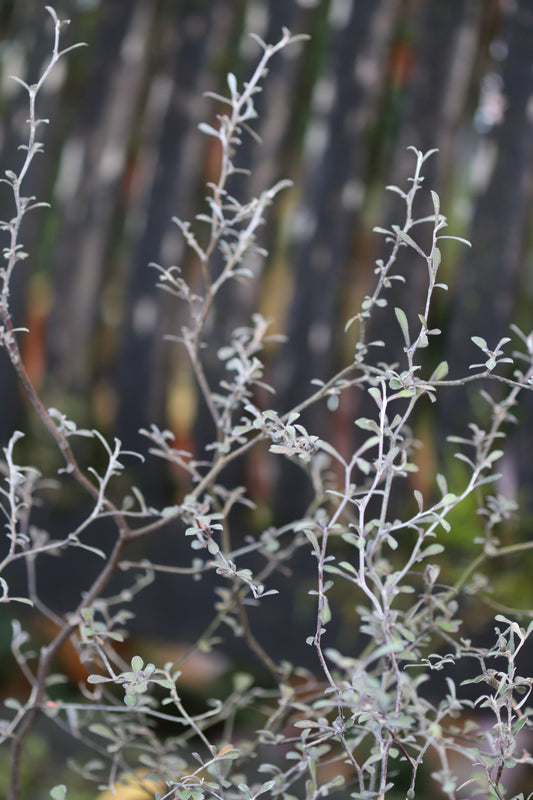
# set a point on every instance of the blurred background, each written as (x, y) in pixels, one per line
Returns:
(123, 155)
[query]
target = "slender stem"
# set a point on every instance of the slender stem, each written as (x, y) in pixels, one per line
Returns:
(252, 642)
(32, 395)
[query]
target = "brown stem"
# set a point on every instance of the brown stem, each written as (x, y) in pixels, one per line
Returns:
(124, 536)
(61, 440)
(45, 662)
(252, 642)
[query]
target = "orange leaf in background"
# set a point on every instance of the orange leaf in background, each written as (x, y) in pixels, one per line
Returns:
(134, 787)
(34, 347)
(401, 64)
(225, 749)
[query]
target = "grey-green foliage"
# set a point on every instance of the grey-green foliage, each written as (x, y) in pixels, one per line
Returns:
(352, 727)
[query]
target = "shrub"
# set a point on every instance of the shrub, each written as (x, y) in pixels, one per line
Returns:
(360, 725)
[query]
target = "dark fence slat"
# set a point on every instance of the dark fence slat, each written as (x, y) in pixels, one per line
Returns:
(485, 297)
(91, 170)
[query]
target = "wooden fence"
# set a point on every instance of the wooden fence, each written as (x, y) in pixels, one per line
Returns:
(123, 155)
